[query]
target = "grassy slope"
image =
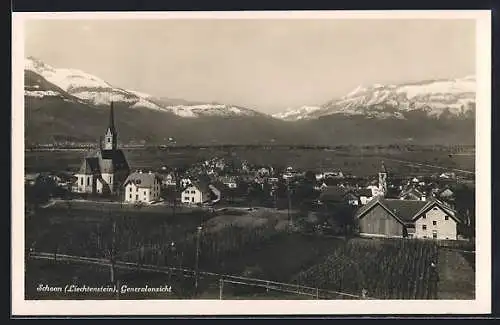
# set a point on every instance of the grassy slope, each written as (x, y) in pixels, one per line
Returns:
(456, 276)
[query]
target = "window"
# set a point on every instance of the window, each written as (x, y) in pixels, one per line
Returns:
(192, 199)
(425, 236)
(434, 234)
(434, 223)
(130, 196)
(109, 140)
(137, 189)
(423, 217)
(137, 196)
(88, 181)
(144, 193)
(424, 227)
(81, 181)
(446, 217)
(193, 192)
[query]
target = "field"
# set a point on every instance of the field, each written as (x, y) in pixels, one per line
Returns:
(387, 269)
(252, 244)
(357, 161)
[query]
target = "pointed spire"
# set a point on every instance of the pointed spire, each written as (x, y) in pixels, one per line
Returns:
(383, 169)
(112, 119)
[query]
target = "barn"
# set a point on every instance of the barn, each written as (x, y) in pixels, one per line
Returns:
(407, 219)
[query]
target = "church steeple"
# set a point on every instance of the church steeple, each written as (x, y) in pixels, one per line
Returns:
(110, 138)
(382, 180)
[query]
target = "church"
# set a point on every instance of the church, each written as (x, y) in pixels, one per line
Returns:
(103, 171)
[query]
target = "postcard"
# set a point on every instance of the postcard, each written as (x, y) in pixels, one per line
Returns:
(251, 163)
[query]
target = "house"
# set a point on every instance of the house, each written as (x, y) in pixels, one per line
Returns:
(412, 194)
(374, 190)
(407, 219)
(263, 172)
(142, 187)
(447, 175)
(185, 182)
(103, 171)
(333, 174)
(200, 192)
(320, 186)
(446, 194)
(365, 195)
(352, 198)
(229, 181)
(168, 180)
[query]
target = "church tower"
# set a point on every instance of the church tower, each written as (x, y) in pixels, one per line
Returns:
(110, 138)
(382, 180)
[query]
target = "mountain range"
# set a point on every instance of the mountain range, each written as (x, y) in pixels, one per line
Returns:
(72, 105)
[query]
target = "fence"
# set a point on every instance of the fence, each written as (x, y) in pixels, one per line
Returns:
(210, 277)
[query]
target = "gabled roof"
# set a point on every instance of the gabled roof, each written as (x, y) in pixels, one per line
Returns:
(431, 204)
(405, 211)
(112, 160)
(332, 193)
(142, 180)
(402, 210)
(90, 165)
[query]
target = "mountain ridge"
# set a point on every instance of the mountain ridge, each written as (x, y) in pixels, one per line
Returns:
(73, 106)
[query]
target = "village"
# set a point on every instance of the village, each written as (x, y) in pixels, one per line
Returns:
(384, 205)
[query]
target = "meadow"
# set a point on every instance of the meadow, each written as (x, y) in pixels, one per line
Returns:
(255, 244)
(359, 161)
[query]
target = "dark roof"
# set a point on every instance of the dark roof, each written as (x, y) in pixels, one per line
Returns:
(112, 160)
(332, 193)
(406, 211)
(90, 165)
(142, 180)
(365, 192)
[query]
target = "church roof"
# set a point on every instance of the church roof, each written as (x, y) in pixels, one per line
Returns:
(90, 165)
(112, 160)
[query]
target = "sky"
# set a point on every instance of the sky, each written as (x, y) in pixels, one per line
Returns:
(269, 64)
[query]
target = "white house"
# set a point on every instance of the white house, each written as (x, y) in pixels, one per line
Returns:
(185, 182)
(142, 187)
(365, 195)
(198, 193)
(436, 222)
(374, 189)
(229, 181)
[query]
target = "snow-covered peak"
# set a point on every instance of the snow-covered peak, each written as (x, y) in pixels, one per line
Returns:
(93, 90)
(293, 114)
(434, 97)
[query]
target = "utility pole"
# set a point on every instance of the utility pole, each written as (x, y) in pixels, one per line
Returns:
(112, 253)
(198, 235)
(290, 221)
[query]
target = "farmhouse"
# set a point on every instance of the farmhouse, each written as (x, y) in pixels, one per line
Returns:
(103, 171)
(200, 192)
(407, 219)
(142, 187)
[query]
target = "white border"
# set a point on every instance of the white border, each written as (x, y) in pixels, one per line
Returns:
(482, 303)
